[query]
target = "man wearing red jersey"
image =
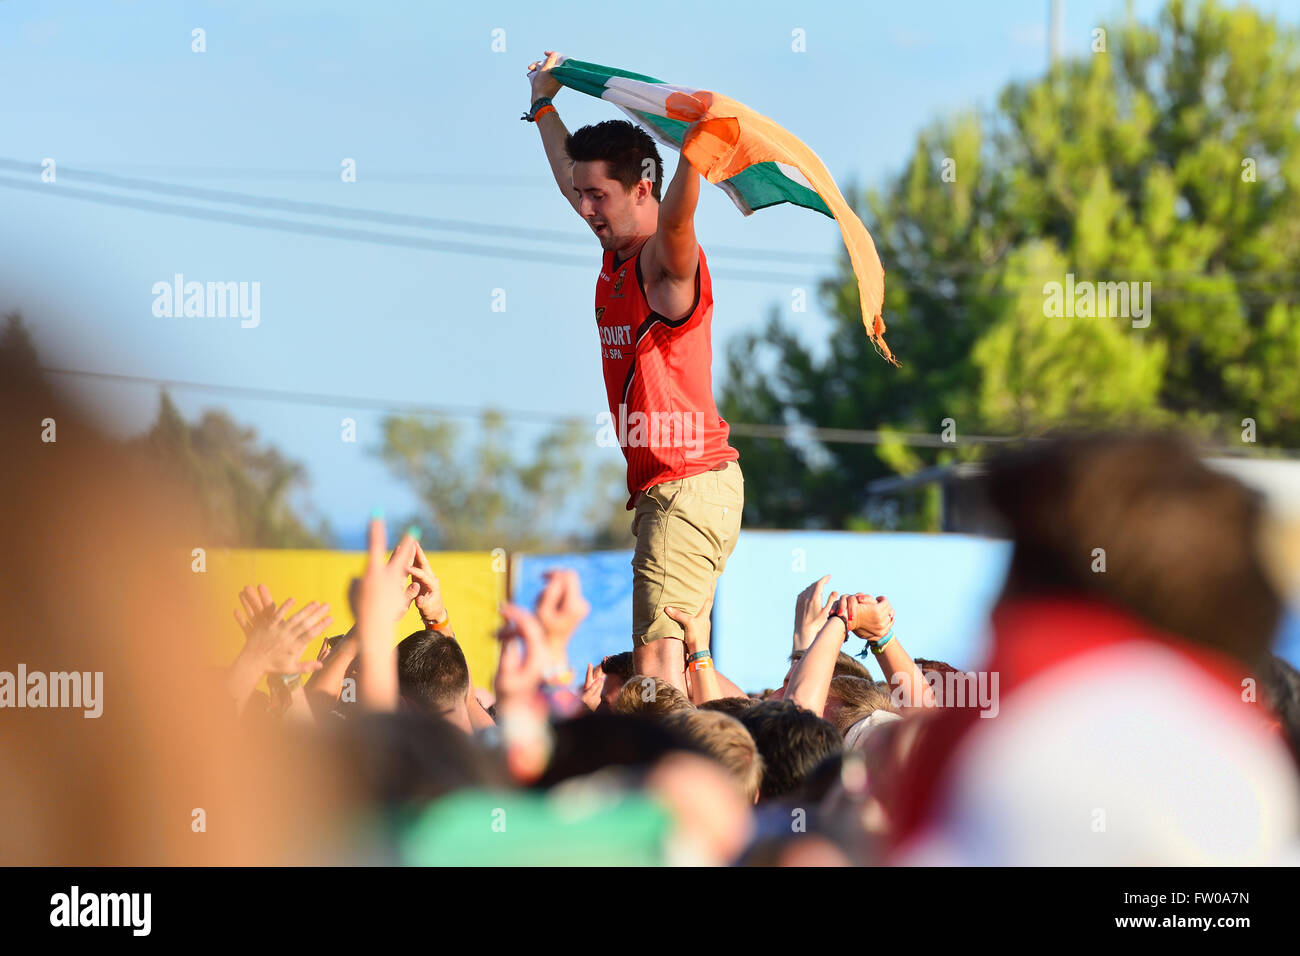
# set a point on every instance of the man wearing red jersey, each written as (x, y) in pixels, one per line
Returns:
(654, 312)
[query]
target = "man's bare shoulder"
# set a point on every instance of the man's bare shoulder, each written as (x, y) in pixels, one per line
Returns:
(669, 295)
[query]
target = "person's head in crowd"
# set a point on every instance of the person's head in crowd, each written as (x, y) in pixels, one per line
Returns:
(735, 706)
(618, 669)
(938, 667)
(724, 738)
(714, 822)
(1281, 692)
(1177, 537)
(649, 697)
(596, 741)
(791, 740)
(406, 758)
(433, 677)
(852, 699)
(845, 666)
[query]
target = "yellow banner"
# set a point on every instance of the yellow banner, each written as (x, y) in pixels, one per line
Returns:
(473, 585)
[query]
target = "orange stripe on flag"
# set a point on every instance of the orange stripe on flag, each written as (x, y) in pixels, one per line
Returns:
(727, 137)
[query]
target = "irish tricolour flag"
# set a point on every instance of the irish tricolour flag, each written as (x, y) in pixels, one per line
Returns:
(755, 161)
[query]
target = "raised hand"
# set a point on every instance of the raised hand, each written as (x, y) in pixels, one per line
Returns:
(379, 598)
(593, 686)
(543, 84)
(258, 605)
(381, 594)
(560, 609)
(523, 656)
(810, 614)
(428, 590)
(868, 617)
(697, 627)
(276, 642)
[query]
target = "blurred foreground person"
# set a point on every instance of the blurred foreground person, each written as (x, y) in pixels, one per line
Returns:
(1131, 641)
(126, 749)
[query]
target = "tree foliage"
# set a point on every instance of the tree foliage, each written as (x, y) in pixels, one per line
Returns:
(480, 496)
(1168, 158)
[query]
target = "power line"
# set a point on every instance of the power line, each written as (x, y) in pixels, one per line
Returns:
(829, 436)
(404, 220)
(320, 230)
(954, 272)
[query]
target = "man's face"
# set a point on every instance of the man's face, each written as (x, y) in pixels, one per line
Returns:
(779, 694)
(604, 203)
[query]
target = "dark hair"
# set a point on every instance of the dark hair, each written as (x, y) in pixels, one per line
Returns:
(1176, 536)
(619, 665)
(593, 742)
(792, 741)
(735, 706)
(939, 667)
(400, 759)
(624, 147)
(1281, 692)
(431, 671)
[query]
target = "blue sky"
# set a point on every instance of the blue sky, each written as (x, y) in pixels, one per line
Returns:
(416, 95)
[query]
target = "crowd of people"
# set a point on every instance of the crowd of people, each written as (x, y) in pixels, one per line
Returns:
(1130, 712)
(1131, 715)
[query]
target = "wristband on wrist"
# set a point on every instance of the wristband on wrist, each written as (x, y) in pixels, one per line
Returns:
(703, 664)
(845, 618)
(539, 106)
(879, 645)
(437, 625)
(698, 655)
(558, 677)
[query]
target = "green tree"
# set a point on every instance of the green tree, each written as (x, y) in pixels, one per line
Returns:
(479, 496)
(1166, 159)
(243, 489)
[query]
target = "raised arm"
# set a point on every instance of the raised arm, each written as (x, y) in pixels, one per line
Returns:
(810, 680)
(436, 617)
(673, 250)
(381, 595)
(810, 613)
(551, 127)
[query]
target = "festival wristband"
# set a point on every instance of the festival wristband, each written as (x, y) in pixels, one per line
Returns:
(437, 625)
(703, 664)
(557, 677)
(845, 618)
(878, 646)
(697, 655)
(539, 106)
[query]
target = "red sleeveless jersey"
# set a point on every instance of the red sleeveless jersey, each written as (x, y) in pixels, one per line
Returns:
(658, 378)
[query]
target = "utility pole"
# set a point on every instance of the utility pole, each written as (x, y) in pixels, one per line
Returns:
(1053, 33)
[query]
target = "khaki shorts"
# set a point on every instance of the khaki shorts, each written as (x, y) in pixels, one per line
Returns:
(685, 531)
